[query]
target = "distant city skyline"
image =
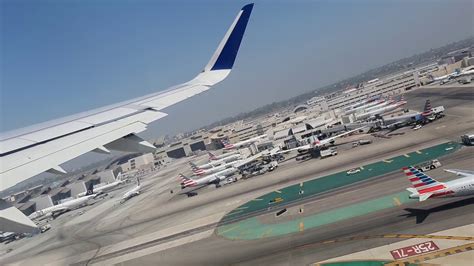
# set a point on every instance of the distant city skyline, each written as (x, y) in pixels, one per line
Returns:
(61, 58)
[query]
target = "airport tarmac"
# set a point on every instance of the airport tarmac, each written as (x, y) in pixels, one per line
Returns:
(86, 238)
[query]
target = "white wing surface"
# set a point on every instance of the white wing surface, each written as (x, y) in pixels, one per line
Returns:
(459, 172)
(30, 151)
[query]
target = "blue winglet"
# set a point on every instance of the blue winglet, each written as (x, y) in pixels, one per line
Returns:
(228, 53)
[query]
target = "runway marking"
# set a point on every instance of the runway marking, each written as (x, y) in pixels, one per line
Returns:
(230, 229)
(387, 161)
(301, 226)
(234, 212)
(241, 208)
(450, 148)
(278, 191)
(257, 199)
(419, 152)
(403, 236)
(434, 255)
(397, 201)
(361, 168)
(443, 126)
(406, 155)
(277, 200)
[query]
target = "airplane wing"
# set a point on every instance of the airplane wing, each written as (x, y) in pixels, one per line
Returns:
(11, 217)
(304, 147)
(248, 160)
(327, 140)
(59, 211)
(460, 172)
(27, 152)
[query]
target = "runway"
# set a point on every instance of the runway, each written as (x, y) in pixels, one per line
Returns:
(296, 248)
(84, 239)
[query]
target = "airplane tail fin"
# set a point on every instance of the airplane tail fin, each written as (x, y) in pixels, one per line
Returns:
(427, 110)
(118, 177)
(196, 169)
(186, 181)
(227, 144)
(225, 54)
(90, 189)
(211, 156)
(422, 183)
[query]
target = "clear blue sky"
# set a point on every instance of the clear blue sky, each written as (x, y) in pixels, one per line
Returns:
(63, 57)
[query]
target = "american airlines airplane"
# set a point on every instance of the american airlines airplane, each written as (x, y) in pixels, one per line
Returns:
(201, 171)
(237, 163)
(364, 106)
(384, 103)
(59, 209)
(207, 180)
(44, 147)
(244, 143)
(315, 144)
(218, 157)
(410, 118)
(358, 104)
(381, 110)
(224, 160)
(425, 187)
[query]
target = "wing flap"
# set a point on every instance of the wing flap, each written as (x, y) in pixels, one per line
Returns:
(107, 115)
(24, 164)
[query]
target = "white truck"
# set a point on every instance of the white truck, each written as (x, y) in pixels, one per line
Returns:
(328, 153)
(468, 139)
(429, 165)
(361, 142)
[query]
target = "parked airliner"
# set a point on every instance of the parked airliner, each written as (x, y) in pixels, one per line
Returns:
(59, 209)
(244, 143)
(207, 180)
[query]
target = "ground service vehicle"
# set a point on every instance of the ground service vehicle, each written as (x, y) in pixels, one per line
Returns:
(303, 157)
(361, 142)
(468, 139)
(353, 171)
(430, 165)
(328, 153)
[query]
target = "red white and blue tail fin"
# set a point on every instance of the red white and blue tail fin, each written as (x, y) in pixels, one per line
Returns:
(427, 110)
(422, 183)
(227, 144)
(186, 181)
(196, 170)
(211, 156)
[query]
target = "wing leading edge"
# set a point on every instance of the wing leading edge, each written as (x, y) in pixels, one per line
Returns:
(27, 152)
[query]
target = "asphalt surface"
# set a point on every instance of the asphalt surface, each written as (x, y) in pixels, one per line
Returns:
(296, 249)
(107, 222)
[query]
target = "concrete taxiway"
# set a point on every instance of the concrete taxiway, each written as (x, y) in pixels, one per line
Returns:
(159, 226)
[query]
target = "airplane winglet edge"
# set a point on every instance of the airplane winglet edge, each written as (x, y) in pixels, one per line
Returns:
(225, 54)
